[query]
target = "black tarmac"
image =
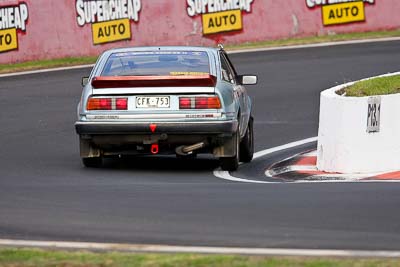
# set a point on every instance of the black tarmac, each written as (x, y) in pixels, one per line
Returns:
(46, 194)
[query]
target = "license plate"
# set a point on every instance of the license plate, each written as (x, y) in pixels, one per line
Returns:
(152, 102)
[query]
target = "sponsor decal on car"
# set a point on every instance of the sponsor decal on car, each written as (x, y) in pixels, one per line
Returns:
(336, 12)
(13, 19)
(110, 19)
(219, 15)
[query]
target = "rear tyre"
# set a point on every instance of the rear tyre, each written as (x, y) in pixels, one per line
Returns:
(231, 163)
(247, 143)
(92, 162)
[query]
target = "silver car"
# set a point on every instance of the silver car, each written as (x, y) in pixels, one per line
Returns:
(166, 100)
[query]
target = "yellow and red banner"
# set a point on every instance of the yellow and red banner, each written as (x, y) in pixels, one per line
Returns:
(8, 40)
(111, 31)
(343, 13)
(225, 21)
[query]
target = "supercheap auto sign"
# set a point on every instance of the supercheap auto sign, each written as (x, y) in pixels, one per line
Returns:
(12, 19)
(336, 12)
(219, 15)
(110, 19)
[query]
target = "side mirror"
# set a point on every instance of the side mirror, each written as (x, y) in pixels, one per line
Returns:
(85, 81)
(248, 79)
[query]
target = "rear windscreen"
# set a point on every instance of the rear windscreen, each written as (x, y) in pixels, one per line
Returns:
(157, 63)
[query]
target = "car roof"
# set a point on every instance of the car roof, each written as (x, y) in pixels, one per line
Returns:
(212, 51)
(163, 48)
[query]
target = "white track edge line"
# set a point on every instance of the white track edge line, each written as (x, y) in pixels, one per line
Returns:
(311, 154)
(325, 44)
(291, 168)
(265, 152)
(239, 51)
(137, 248)
(225, 175)
(294, 168)
(271, 172)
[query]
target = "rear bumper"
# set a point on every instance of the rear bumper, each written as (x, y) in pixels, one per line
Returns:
(126, 128)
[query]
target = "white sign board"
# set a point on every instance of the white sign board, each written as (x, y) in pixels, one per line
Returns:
(374, 114)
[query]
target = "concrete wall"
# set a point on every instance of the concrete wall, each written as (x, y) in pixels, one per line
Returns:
(52, 29)
(345, 146)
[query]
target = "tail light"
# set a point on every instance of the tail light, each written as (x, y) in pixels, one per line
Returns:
(185, 102)
(121, 103)
(199, 102)
(107, 104)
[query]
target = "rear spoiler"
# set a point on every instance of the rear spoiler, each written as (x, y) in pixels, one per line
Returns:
(154, 81)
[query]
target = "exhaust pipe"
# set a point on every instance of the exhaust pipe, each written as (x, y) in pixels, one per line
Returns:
(187, 150)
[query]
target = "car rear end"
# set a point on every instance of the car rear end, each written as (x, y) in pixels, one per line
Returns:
(154, 101)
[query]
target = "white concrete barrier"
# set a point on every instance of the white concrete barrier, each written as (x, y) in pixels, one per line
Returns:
(345, 145)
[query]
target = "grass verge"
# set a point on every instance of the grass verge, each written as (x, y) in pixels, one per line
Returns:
(46, 258)
(317, 39)
(378, 86)
(44, 64)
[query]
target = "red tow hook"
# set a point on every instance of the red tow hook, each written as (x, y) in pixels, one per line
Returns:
(153, 127)
(154, 149)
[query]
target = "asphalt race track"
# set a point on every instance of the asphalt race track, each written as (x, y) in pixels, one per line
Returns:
(46, 194)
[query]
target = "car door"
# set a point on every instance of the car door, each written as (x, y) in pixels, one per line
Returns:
(240, 91)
